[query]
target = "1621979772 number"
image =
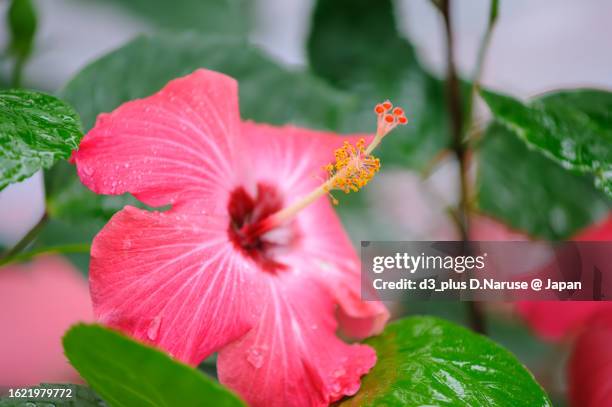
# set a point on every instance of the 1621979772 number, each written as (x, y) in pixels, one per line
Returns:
(38, 392)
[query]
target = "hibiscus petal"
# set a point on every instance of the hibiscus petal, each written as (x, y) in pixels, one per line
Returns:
(328, 250)
(172, 281)
(600, 231)
(32, 324)
(177, 144)
(292, 357)
(589, 369)
(290, 156)
(555, 319)
(551, 320)
(293, 158)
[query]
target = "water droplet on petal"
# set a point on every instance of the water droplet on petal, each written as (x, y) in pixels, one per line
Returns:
(154, 328)
(127, 244)
(255, 356)
(336, 388)
(339, 372)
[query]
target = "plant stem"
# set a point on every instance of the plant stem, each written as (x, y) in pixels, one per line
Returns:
(60, 249)
(480, 60)
(25, 241)
(17, 72)
(455, 110)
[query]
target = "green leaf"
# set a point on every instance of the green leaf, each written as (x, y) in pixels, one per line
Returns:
(211, 16)
(127, 373)
(531, 193)
(572, 127)
(22, 27)
(429, 361)
(69, 200)
(63, 233)
(355, 45)
(81, 397)
(76, 213)
(36, 130)
(145, 65)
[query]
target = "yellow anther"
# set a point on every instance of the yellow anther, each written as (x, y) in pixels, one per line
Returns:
(353, 168)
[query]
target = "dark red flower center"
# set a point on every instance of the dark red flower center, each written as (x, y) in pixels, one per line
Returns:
(249, 232)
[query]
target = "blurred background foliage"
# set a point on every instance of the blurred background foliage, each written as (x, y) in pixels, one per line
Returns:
(353, 55)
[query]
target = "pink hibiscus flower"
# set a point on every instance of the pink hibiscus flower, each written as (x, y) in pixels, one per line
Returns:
(239, 264)
(551, 320)
(33, 323)
(589, 369)
(554, 320)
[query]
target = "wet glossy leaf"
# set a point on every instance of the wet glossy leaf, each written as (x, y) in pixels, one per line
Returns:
(531, 193)
(36, 130)
(573, 127)
(126, 373)
(425, 361)
(81, 397)
(357, 47)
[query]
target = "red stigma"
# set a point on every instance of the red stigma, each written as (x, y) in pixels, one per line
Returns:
(389, 117)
